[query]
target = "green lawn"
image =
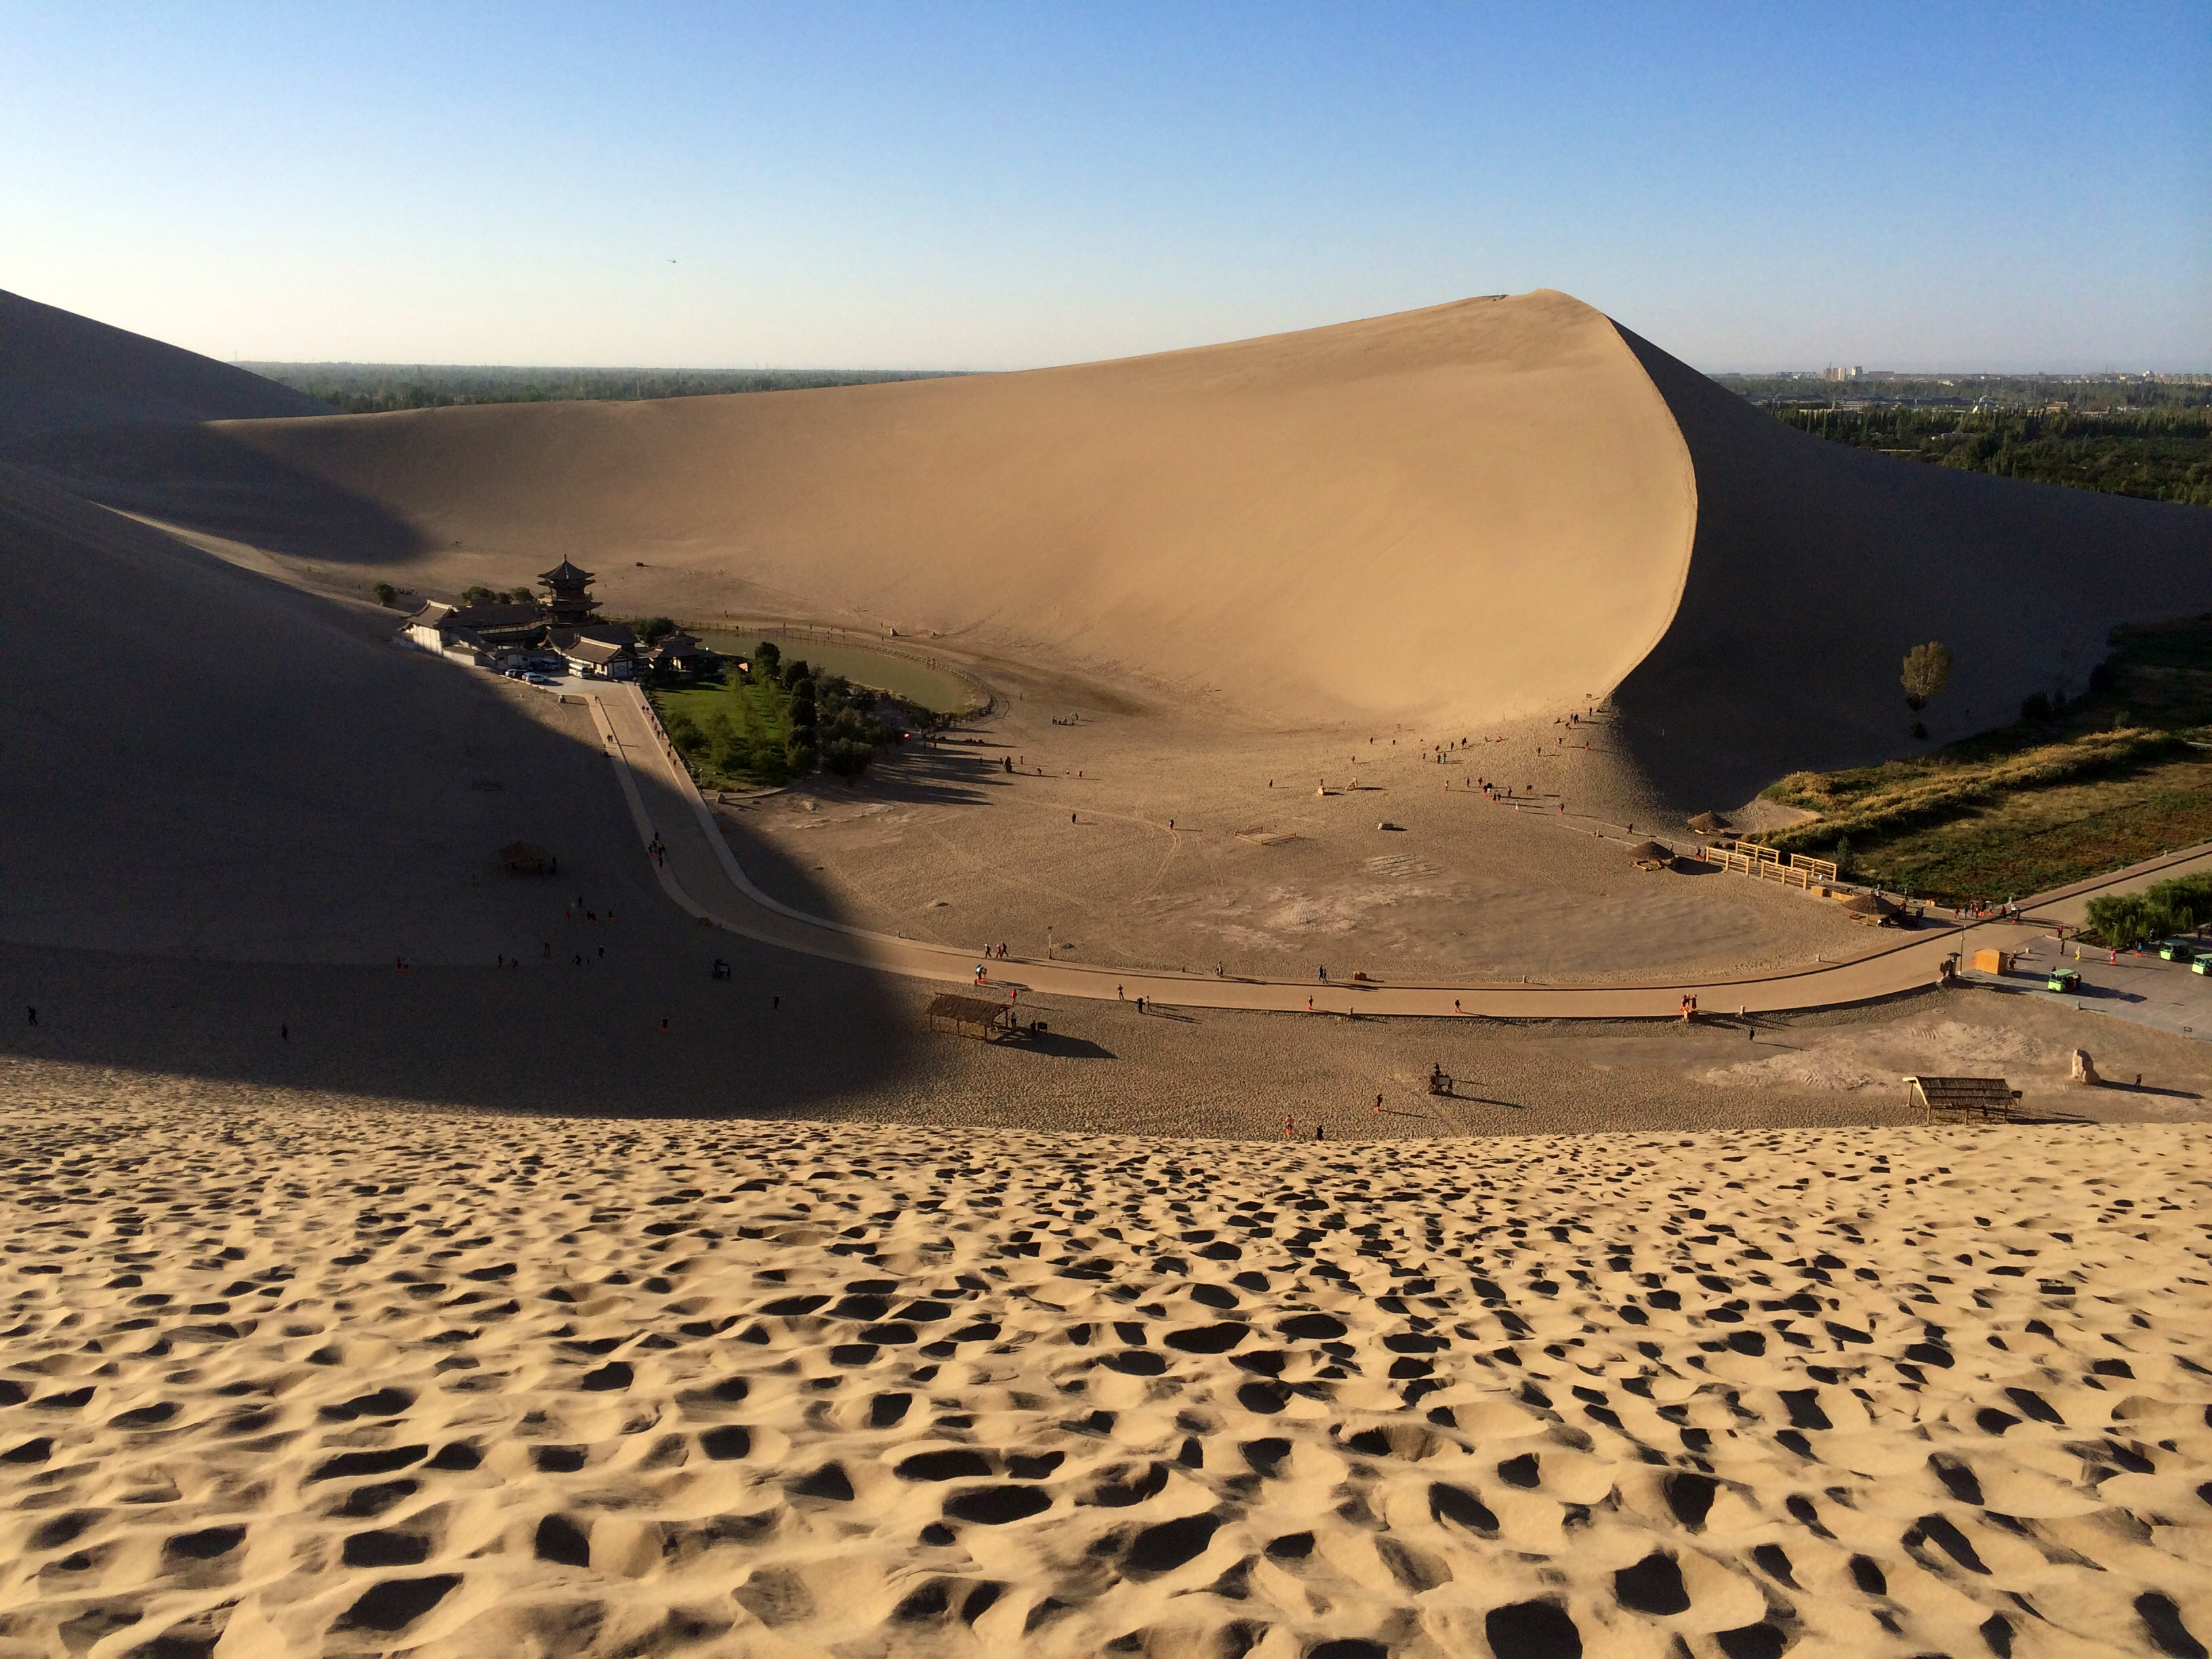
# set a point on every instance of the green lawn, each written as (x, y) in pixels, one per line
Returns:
(911, 682)
(2038, 839)
(741, 732)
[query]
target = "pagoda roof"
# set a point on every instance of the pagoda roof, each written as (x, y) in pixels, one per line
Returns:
(564, 573)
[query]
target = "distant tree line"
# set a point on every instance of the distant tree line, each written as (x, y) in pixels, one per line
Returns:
(2160, 455)
(2084, 393)
(377, 388)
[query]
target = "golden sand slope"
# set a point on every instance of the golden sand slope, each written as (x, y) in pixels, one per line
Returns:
(1479, 507)
(1476, 513)
(292, 1379)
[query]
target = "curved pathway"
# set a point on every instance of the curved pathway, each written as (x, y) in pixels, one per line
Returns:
(696, 860)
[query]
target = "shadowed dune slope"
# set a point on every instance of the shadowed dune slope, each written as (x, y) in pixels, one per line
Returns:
(203, 762)
(1475, 510)
(60, 370)
(1817, 566)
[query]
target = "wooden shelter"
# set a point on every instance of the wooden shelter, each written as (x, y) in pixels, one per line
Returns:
(1650, 855)
(1872, 909)
(971, 1017)
(1979, 1099)
(528, 858)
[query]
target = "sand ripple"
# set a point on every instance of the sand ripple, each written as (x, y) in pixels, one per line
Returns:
(279, 1380)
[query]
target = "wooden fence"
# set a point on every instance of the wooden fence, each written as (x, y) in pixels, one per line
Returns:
(1748, 857)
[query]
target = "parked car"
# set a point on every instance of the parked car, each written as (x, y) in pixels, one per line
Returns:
(2202, 965)
(541, 679)
(2064, 979)
(2177, 950)
(513, 673)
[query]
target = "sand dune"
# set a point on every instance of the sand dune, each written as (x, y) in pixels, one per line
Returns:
(1816, 566)
(1359, 517)
(341, 1379)
(1472, 513)
(204, 761)
(60, 370)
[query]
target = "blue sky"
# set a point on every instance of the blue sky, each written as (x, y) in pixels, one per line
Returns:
(1993, 186)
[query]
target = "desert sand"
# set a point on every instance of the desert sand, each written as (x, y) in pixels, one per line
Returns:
(402, 1256)
(1488, 511)
(310, 1376)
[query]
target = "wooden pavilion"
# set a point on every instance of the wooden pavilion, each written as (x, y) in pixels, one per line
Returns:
(1978, 1099)
(1872, 909)
(971, 1017)
(528, 858)
(1650, 855)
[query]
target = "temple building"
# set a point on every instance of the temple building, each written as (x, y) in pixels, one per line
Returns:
(567, 605)
(514, 636)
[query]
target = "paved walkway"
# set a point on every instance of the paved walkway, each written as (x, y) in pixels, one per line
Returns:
(699, 871)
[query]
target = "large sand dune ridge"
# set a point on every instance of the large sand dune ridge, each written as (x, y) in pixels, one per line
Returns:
(1482, 512)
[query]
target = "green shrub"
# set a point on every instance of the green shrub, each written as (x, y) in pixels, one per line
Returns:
(386, 593)
(848, 758)
(2179, 906)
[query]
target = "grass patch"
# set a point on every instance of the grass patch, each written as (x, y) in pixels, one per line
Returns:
(742, 731)
(2070, 791)
(2035, 840)
(912, 682)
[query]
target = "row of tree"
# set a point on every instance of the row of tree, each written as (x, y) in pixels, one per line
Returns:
(2161, 455)
(2179, 906)
(380, 388)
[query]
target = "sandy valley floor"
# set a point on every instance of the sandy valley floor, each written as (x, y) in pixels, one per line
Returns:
(1147, 835)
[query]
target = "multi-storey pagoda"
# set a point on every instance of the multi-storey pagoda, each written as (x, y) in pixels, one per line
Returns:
(566, 606)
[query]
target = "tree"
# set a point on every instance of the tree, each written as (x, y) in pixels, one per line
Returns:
(654, 629)
(798, 754)
(1927, 671)
(471, 594)
(386, 593)
(847, 757)
(765, 660)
